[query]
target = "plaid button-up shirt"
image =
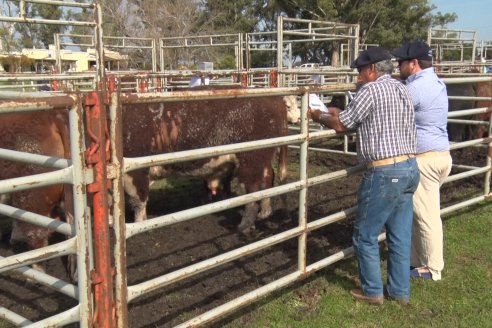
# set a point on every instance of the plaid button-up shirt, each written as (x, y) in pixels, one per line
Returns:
(382, 112)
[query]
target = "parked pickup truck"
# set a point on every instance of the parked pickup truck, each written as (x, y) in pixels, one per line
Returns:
(309, 65)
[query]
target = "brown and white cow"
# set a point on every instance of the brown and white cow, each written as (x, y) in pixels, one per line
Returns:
(461, 132)
(44, 133)
(218, 174)
(482, 89)
(178, 126)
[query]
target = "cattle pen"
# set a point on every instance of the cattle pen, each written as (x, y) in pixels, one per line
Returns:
(112, 282)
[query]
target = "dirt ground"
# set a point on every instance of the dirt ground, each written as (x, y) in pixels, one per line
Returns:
(165, 250)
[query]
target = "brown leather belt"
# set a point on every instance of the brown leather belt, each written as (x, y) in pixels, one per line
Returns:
(433, 153)
(390, 160)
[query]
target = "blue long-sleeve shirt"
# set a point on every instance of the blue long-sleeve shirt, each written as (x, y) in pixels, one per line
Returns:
(430, 101)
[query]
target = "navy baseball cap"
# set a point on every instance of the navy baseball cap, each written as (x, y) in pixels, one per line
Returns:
(370, 56)
(411, 50)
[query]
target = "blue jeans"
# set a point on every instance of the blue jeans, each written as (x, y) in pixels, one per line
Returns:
(385, 199)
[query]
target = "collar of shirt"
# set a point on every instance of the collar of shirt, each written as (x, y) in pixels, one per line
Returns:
(383, 77)
(379, 79)
(427, 71)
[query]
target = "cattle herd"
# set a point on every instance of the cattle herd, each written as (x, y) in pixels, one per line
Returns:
(155, 129)
(170, 127)
(158, 128)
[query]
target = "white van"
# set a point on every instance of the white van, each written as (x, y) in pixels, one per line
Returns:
(309, 65)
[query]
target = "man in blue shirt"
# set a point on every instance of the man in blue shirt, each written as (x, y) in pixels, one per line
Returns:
(383, 115)
(430, 101)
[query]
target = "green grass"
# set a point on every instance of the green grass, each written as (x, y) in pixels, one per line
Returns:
(462, 299)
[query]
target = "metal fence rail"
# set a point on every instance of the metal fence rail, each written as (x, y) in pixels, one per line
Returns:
(72, 172)
(66, 172)
(127, 294)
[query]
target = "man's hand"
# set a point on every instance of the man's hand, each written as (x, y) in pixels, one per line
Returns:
(315, 114)
(335, 111)
(330, 119)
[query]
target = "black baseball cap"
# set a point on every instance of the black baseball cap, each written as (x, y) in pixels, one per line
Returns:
(411, 50)
(370, 56)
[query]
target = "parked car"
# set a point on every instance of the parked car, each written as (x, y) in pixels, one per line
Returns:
(309, 65)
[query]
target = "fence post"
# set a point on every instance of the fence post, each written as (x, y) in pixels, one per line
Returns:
(55, 86)
(96, 155)
(273, 78)
(488, 160)
(244, 80)
(142, 85)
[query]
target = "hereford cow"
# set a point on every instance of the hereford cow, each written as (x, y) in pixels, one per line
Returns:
(43, 133)
(461, 132)
(482, 89)
(217, 178)
(177, 126)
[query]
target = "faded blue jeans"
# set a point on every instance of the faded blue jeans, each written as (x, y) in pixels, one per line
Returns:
(385, 199)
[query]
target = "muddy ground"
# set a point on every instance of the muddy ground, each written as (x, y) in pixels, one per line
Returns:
(162, 251)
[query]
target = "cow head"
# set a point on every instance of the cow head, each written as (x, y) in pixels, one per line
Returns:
(293, 112)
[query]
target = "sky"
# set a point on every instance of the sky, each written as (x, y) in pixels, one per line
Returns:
(473, 15)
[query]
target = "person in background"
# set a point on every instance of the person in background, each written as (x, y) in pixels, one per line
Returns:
(430, 101)
(382, 113)
(197, 80)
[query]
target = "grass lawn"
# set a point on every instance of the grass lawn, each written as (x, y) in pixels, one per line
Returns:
(463, 298)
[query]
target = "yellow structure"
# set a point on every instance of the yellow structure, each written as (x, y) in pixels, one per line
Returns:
(44, 60)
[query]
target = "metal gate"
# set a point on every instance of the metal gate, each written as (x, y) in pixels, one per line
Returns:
(84, 172)
(67, 171)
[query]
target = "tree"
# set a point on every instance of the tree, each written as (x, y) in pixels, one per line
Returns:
(385, 22)
(230, 15)
(7, 30)
(441, 20)
(39, 35)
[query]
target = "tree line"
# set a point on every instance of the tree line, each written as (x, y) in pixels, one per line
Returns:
(384, 22)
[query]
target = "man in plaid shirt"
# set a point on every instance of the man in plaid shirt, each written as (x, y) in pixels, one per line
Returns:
(382, 113)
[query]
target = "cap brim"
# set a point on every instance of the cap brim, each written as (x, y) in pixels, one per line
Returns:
(400, 53)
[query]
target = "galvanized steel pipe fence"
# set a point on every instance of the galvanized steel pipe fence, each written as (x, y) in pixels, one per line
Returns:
(69, 172)
(94, 284)
(127, 294)
(119, 165)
